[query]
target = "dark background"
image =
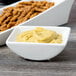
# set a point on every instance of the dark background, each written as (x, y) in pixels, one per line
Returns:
(6, 2)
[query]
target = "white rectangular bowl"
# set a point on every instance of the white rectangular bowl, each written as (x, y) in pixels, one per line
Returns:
(37, 51)
(56, 15)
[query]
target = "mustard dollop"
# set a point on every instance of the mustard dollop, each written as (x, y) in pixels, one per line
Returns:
(39, 35)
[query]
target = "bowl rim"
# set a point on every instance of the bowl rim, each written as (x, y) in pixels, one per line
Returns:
(31, 43)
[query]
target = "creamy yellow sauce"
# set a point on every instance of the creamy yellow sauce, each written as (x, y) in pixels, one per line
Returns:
(39, 35)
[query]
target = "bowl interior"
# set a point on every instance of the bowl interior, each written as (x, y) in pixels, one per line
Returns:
(65, 31)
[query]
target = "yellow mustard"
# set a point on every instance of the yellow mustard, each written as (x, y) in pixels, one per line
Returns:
(39, 35)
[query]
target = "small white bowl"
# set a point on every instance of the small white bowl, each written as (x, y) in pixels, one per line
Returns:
(37, 51)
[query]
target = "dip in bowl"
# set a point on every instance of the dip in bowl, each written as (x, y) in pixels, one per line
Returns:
(37, 51)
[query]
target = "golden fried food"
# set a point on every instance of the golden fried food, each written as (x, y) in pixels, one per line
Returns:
(3, 27)
(23, 11)
(7, 20)
(11, 24)
(34, 14)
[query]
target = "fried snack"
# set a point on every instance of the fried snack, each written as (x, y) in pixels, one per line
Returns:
(14, 18)
(1, 15)
(21, 20)
(3, 18)
(15, 12)
(26, 3)
(34, 14)
(25, 18)
(49, 4)
(29, 13)
(9, 10)
(39, 9)
(3, 27)
(23, 11)
(7, 20)
(11, 24)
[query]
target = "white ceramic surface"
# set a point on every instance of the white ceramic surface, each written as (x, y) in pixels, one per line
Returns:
(57, 15)
(37, 51)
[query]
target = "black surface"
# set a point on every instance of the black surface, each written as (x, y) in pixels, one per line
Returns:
(7, 2)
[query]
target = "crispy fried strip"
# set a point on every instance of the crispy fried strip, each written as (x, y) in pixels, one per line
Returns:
(9, 9)
(11, 24)
(25, 3)
(2, 19)
(51, 4)
(29, 13)
(20, 6)
(34, 14)
(7, 20)
(14, 18)
(25, 11)
(39, 9)
(15, 12)
(3, 28)
(19, 21)
(25, 18)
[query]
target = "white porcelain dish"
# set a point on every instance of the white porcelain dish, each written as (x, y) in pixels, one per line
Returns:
(57, 15)
(37, 51)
